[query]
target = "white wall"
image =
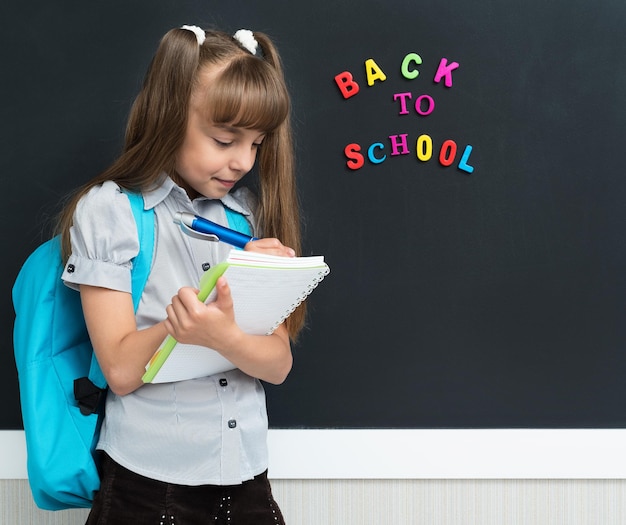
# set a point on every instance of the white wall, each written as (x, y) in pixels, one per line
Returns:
(401, 502)
(430, 477)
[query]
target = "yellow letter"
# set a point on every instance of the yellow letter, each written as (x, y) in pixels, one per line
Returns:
(373, 72)
(424, 147)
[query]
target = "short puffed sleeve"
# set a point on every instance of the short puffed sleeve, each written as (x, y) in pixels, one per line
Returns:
(104, 240)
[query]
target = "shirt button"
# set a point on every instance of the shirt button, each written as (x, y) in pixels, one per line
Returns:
(206, 266)
(70, 268)
(223, 382)
(232, 423)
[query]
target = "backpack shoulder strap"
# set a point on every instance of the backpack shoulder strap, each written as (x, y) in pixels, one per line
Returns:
(237, 221)
(145, 229)
(141, 266)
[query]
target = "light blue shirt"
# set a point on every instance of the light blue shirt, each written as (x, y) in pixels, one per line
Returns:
(211, 430)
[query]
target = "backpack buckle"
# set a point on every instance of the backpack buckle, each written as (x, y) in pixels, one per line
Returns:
(88, 395)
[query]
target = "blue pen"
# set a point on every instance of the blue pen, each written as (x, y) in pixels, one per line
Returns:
(202, 228)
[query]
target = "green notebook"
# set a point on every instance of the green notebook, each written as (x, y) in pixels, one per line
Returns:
(265, 290)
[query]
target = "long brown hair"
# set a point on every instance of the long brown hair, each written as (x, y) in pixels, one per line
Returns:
(249, 92)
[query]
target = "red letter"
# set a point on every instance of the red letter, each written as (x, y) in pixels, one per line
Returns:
(356, 160)
(445, 70)
(347, 84)
(447, 153)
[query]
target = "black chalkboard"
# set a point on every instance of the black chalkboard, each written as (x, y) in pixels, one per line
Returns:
(475, 230)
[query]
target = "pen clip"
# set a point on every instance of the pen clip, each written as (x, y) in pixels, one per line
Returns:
(198, 235)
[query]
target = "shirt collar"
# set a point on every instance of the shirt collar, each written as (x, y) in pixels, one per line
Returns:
(155, 196)
(238, 201)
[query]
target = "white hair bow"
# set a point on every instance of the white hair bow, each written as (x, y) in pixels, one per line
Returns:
(200, 34)
(246, 38)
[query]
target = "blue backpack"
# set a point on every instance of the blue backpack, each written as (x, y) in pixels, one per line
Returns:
(61, 385)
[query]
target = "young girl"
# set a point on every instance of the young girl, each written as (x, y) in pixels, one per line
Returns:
(192, 451)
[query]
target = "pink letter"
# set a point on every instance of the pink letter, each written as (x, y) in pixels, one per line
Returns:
(395, 144)
(445, 70)
(418, 105)
(402, 97)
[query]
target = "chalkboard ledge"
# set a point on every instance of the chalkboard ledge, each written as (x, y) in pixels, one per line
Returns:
(419, 454)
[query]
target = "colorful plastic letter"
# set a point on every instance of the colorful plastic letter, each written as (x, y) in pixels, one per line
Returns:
(445, 71)
(370, 153)
(355, 159)
(373, 72)
(418, 105)
(463, 165)
(406, 73)
(401, 143)
(402, 97)
(447, 153)
(347, 85)
(424, 148)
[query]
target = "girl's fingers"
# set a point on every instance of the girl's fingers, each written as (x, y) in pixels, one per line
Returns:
(270, 246)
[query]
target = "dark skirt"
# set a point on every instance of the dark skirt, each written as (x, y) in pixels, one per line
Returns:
(126, 498)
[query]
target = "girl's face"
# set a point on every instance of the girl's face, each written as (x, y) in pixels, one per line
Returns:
(213, 158)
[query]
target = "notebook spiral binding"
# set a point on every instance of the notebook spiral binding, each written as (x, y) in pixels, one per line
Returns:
(320, 276)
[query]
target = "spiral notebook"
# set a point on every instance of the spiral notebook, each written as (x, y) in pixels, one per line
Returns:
(266, 289)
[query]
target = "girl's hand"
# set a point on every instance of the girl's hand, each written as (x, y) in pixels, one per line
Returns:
(270, 246)
(266, 357)
(191, 321)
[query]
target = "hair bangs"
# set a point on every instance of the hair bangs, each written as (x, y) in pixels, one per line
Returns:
(248, 94)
